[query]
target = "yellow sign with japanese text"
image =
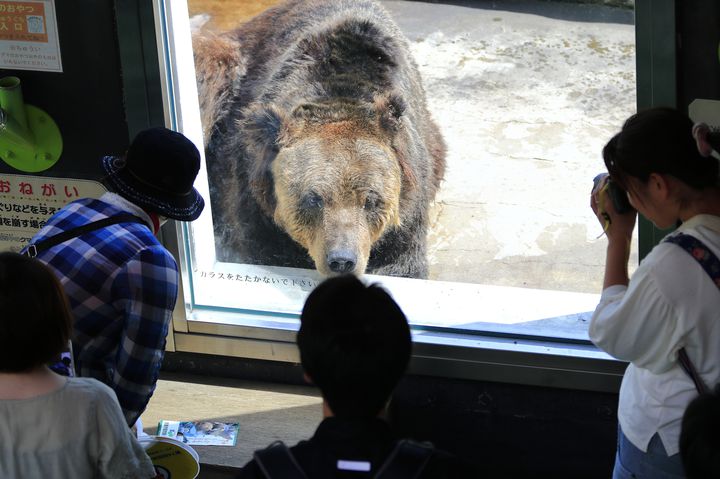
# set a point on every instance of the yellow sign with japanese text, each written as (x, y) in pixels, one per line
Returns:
(26, 202)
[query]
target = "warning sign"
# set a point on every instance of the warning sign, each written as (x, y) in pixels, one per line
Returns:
(26, 202)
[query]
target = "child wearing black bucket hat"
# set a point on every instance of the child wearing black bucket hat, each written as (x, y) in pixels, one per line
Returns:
(122, 284)
(157, 174)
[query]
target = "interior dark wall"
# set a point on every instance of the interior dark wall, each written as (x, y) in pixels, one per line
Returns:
(698, 25)
(509, 430)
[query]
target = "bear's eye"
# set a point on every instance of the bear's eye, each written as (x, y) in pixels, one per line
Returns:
(312, 201)
(372, 202)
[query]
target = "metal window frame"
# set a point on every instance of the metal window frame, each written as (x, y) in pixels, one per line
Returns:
(656, 52)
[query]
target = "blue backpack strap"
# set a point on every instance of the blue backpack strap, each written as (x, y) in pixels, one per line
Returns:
(710, 263)
(701, 253)
(277, 462)
(407, 460)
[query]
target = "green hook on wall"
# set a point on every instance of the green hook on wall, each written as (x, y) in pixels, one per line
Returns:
(30, 140)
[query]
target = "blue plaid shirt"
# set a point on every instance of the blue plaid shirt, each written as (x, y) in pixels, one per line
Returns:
(122, 286)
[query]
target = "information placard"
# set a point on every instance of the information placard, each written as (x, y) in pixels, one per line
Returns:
(26, 202)
(29, 36)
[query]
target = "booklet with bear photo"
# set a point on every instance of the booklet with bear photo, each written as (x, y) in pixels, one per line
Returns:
(200, 433)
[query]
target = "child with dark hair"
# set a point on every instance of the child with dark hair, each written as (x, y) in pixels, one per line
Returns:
(667, 312)
(51, 425)
(700, 437)
(355, 344)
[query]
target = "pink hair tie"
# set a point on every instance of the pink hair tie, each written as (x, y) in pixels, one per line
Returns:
(700, 132)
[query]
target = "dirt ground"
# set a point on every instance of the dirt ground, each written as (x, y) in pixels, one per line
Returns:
(526, 93)
(226, 14)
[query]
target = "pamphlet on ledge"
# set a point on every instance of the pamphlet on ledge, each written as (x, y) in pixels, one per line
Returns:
(200, 433)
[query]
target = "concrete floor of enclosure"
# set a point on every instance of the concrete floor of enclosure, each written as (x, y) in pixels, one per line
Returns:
(266, 413)
(526, 94)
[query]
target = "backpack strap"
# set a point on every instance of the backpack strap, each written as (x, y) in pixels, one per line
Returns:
(277, 462)
(406, 461)
(33, 249)
(710, 263)
(690, 370)
(701, 253)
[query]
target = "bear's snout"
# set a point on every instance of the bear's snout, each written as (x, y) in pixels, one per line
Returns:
(341, 261)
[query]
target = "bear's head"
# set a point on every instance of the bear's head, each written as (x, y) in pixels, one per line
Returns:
(330, 175)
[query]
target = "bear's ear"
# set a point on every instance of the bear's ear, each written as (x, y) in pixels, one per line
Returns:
(263, 127)
(390, 109)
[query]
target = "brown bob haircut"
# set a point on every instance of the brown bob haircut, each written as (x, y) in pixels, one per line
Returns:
(35, 319)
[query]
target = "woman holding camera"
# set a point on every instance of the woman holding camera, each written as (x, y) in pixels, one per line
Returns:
(669, 172)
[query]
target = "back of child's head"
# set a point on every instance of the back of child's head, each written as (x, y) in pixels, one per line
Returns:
(355, 344)
(700, 437)
(36, 322)
(659, 140)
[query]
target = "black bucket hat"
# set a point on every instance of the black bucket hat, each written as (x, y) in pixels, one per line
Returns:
(158, 173)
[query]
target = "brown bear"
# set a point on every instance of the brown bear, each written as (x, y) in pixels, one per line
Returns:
(320, 148)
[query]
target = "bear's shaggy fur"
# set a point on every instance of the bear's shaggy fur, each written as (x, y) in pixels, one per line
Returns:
(320, 149)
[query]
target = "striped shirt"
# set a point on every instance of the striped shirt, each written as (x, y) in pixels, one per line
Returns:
(122, 285)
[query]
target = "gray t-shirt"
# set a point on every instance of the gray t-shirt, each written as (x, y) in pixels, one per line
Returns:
(77, 431)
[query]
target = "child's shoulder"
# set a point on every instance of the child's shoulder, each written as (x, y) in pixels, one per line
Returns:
(89, 386)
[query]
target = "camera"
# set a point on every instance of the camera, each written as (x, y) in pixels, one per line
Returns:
(617, 195)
